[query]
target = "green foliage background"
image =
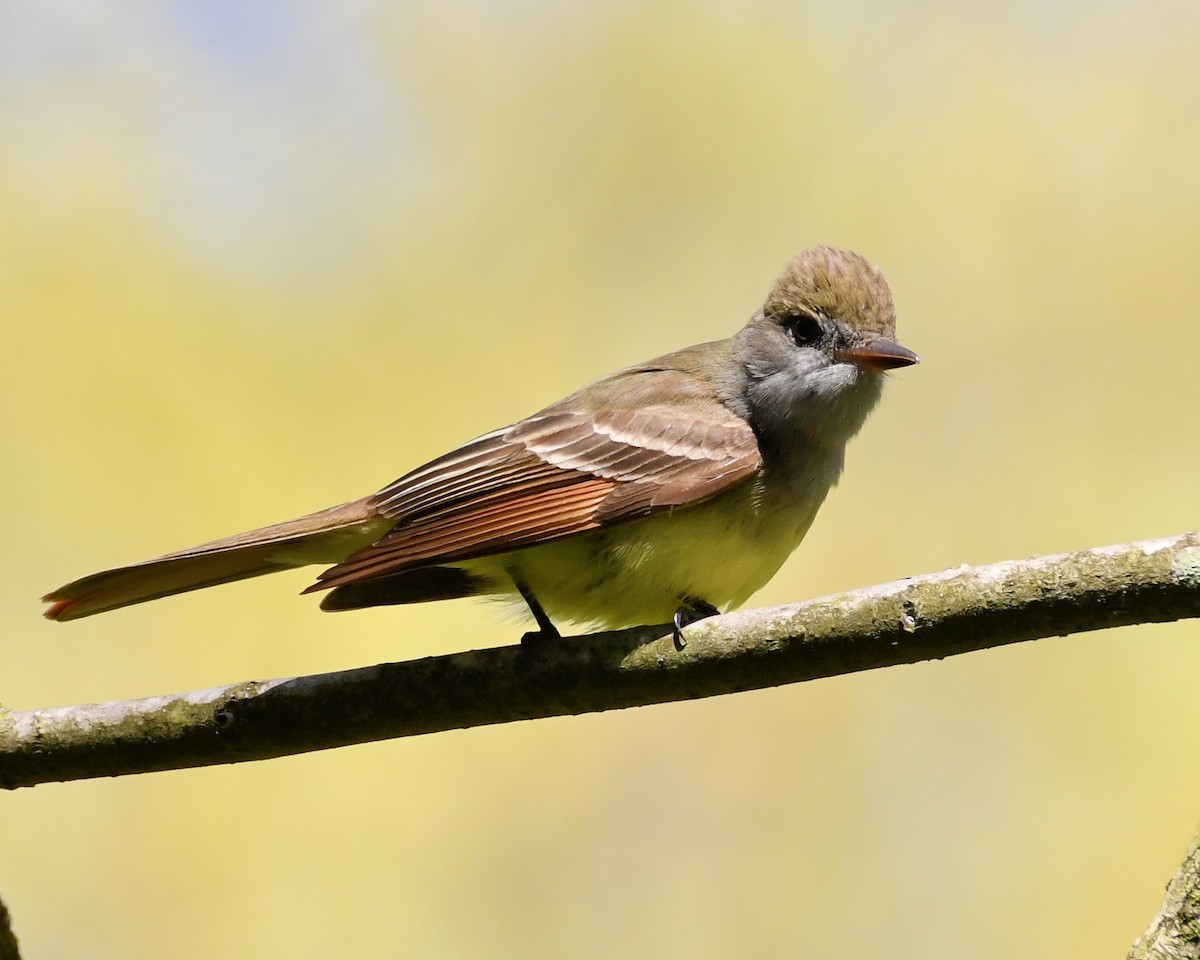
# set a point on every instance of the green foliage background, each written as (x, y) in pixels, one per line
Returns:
(260, 258)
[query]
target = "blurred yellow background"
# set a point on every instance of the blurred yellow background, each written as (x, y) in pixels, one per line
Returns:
(256, 259)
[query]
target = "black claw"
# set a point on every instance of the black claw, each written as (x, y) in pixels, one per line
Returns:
(688, 613)
(677, 633)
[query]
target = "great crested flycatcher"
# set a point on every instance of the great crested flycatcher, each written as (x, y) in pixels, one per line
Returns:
(673, 488)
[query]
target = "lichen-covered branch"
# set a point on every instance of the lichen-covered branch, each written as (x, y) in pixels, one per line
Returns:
(934, 616)
(1175, 933)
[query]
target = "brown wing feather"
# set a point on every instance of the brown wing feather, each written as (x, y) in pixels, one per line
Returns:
(498, 526)
(557, 474)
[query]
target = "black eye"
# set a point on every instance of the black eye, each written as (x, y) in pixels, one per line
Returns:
(803, 328)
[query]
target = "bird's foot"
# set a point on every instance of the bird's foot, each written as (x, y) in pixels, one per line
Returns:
(546, 630)
(535, 638)
(688, 613)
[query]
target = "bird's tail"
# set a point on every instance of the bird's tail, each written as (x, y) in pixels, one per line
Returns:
(327, 536)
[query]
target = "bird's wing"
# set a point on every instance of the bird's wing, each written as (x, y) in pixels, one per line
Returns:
(556, 474)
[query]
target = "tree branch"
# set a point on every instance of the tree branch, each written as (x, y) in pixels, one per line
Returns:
(1175, 933)
(9, 950)
(923, 618)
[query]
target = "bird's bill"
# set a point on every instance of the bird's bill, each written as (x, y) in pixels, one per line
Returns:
(878, 354)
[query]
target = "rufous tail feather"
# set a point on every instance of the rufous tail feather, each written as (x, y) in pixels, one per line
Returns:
(327, 536)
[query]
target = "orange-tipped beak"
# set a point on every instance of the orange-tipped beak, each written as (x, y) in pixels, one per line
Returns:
(879, 354)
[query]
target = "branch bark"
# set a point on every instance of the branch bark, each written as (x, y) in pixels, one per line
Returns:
(1175, 933)
(922, 618)
(9, 950)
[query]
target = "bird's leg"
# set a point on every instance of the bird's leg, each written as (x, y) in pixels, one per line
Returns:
(691, 610)
(546, 630)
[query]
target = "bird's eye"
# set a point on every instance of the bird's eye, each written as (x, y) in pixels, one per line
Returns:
(803, 328)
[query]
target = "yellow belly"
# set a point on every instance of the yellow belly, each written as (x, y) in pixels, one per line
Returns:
(639, 572)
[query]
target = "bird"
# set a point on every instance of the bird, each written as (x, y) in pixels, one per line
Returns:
(666, 492)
